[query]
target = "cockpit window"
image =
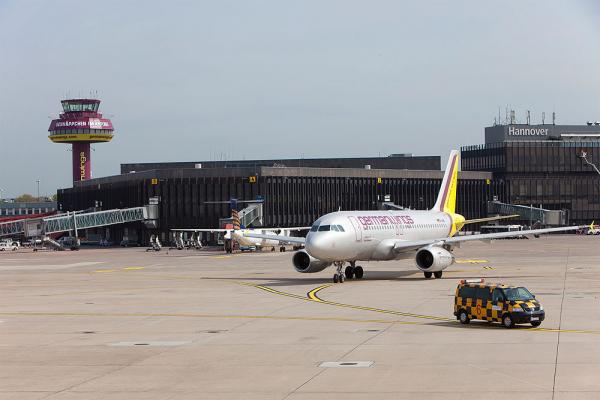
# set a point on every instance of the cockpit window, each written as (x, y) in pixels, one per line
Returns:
(334, 228)
(314, 228)
(324, 228)
(340, 228)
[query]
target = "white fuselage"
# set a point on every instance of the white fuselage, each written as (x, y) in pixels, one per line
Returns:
(371, 235)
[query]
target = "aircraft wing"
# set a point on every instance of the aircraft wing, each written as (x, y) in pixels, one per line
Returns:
(201, 230)
(406, 245)
(488, 219)
(281, 239)
(294, 228)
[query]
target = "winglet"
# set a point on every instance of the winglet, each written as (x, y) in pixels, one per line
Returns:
(446, 200)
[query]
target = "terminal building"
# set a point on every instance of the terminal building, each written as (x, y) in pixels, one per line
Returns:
(294, 192)
(11, 208)
(543, 166)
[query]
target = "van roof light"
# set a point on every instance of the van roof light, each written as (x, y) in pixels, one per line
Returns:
(463, 281)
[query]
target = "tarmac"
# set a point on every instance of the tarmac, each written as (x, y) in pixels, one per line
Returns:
(129, 324)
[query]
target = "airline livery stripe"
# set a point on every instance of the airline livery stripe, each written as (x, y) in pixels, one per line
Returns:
(448, 183)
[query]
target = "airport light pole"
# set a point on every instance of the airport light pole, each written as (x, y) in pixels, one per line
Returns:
(583, 157)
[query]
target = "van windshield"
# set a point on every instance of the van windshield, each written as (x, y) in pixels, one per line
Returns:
(518, 294)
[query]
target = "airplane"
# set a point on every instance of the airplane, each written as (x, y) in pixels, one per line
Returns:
(237, 233)
(428, 236)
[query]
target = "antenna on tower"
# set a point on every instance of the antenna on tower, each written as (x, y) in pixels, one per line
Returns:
(513, 118)
(543, 117)
(528, 117)
(553, 118)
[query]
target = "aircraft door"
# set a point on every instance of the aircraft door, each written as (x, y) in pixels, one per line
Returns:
(357, 228)
(397, 225)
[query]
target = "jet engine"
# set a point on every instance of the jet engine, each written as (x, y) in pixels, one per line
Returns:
(303, 262)
(433, 259)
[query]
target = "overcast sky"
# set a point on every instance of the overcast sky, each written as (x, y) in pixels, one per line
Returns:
(188, 81)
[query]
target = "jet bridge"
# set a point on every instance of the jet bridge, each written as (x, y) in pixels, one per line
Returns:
(77, 220)
(252, 215)
(529, 213)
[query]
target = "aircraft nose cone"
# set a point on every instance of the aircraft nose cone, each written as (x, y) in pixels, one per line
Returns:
(315, 245)
(320, 246)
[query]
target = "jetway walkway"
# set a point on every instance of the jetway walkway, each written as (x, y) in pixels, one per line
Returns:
(252, 215)
(77, 220)
(529, 213)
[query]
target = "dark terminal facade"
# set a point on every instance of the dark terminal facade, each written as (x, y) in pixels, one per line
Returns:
(188, 195)
(543, 165)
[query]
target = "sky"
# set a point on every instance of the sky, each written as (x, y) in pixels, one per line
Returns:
(197, 80)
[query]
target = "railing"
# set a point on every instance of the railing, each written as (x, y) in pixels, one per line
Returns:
(70, 222)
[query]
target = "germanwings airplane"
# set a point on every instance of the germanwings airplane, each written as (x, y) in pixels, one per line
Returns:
(346, 237)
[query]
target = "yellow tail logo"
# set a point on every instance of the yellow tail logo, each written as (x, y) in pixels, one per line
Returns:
(446, 200)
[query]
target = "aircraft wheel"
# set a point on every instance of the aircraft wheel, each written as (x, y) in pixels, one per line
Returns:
(427, 275)
(437, 274)
(358, 272)
(335, 278)
(342, 278)
(349, 272)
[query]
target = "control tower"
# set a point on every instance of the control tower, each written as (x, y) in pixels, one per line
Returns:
(81, 125)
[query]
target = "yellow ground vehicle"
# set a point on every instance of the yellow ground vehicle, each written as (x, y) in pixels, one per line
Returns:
(509, 305)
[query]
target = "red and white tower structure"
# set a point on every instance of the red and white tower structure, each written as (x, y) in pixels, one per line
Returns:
(81, 125)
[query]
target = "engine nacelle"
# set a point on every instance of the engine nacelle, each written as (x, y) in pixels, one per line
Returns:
(433, 258)
(303, 262)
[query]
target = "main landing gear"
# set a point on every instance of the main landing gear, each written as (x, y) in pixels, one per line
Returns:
(436, 274)
(351, 271)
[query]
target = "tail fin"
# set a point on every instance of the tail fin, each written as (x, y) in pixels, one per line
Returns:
(235, 217)
(446, 200)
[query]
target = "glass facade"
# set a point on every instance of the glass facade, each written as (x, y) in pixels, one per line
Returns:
(72, 106)
(543, 173)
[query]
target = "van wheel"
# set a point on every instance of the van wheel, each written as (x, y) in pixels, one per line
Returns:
(536, 323)
(507, 321)
(463, 317)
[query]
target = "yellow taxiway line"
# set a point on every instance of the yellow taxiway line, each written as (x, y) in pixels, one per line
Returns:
(312, 296)
(471, 261)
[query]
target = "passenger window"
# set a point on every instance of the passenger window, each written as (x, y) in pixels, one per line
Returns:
(341, 228)
(497, 296)
(324, 228)
(483, 293)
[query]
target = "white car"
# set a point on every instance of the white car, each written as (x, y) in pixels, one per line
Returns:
(5, 246)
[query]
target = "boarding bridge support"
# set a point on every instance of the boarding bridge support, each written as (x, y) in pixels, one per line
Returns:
(529, 213)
